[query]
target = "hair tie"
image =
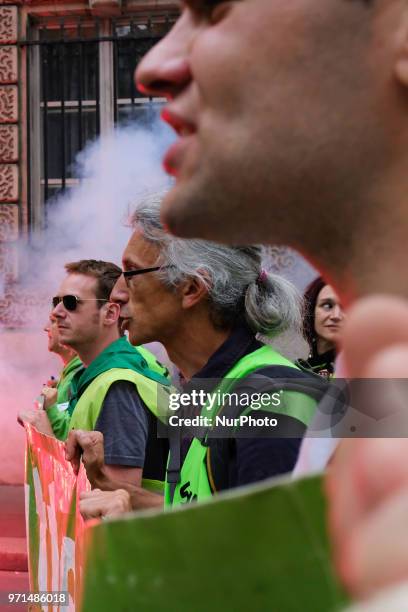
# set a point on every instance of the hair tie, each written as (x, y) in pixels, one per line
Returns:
(263, 277)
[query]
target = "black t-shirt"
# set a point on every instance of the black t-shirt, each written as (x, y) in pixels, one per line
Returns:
(130, 432)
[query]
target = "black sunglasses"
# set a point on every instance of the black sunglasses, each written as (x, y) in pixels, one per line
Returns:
(129, 273)
(70, 302)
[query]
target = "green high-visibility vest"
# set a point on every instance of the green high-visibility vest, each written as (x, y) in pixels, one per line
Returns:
(194, 482)
(155, 395)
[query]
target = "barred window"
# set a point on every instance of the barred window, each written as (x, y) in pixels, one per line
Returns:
(80, 84)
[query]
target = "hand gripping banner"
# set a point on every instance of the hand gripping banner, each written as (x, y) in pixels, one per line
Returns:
(55, 528)
(262, 547)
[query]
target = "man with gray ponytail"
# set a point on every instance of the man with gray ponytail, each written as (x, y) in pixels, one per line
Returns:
(206, 303)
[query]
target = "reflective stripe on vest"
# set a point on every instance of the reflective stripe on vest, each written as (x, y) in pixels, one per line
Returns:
(194, 482)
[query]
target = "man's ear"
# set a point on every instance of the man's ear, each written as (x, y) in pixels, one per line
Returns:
(112, 313)
(401, 59)
(192, 292)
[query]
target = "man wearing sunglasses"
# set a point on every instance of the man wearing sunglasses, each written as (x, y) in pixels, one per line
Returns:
(118, 390)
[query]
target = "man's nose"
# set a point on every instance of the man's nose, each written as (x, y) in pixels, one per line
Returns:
(58, 312)
(120, 292)
(337, 313)
(165, 70)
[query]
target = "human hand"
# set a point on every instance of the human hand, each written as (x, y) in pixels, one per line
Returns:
(50, 395)
(102, 504)
(36, 418)
(51, 382)
(367, 484)
(89, 445)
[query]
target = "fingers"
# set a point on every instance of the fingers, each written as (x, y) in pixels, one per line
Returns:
(366, 471)
(390, 362)
(376, 554)
(25, 416)
(363, 473)
(36, 418)
(101, 504)
(42, 423)
(82, 440)
(89, 444)
(345, 505)
(73, 449)
(50, 394)
(89, 494)
(373, 324)
(367, 484)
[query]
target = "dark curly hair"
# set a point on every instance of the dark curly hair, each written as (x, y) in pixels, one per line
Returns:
(309, 305)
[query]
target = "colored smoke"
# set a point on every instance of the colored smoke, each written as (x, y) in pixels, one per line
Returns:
(88, 221)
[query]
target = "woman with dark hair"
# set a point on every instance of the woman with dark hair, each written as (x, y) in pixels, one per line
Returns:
(323, 319)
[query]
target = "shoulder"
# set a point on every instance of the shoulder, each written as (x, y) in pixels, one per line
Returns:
(280, 377)
(123, 392)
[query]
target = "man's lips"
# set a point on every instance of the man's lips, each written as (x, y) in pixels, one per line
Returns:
(183, 127)
(176, 153)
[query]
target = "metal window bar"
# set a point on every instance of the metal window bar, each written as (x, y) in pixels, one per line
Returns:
(115, 76)
(80, 61)
(133, 50)
(44, 65)
(62, 95)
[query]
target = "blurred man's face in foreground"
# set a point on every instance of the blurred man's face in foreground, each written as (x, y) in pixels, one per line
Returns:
(283, 112)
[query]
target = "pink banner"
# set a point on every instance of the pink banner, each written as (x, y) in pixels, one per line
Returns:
(55, 528)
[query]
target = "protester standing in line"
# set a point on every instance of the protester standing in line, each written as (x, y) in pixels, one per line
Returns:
(206, 303)
(56, 404)
(323, 320)
(117, 391)
(55, 394)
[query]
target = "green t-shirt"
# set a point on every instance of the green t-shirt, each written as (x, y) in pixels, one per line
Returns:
(58, 414)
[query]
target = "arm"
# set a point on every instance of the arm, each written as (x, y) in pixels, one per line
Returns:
(36, 418)
(124, 474)
(89, 445)
(124, 423)
(104, 504)
(101, 504)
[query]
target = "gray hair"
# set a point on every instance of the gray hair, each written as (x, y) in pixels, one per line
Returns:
(238, 287)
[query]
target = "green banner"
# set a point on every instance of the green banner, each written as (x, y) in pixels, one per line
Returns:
(263, 548)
